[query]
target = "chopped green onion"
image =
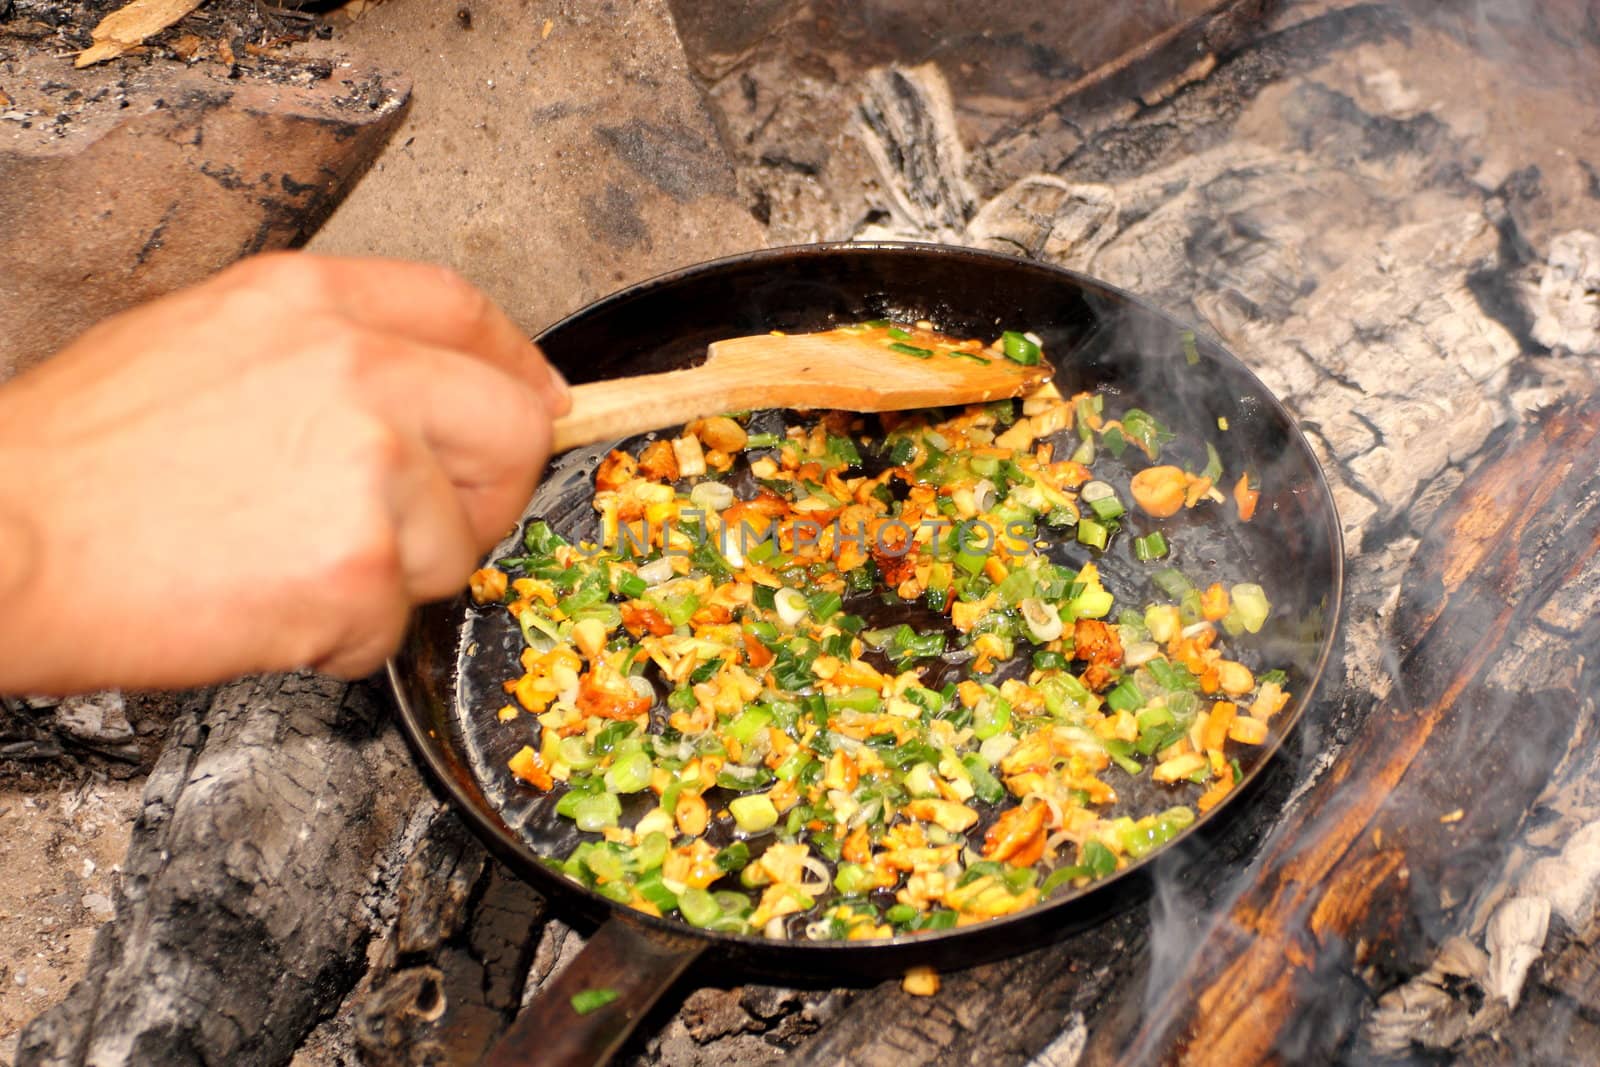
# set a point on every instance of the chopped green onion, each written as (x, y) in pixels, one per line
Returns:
(734, 858)
(593, 1000)
(1142, 428)
(629, 774)
(596, 811)
(1046, 660)
(1125, 696)
(911, 350)
(991, 718)
(753, 814)
(825, 605)
(1151, 546)
(698, 907)
(1018, 348)
(1093, 534)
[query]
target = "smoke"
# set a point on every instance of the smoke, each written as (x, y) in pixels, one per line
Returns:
(1357, 241)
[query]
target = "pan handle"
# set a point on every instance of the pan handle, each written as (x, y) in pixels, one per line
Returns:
(621, 957)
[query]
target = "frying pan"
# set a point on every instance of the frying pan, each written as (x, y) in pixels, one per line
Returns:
(447, 677)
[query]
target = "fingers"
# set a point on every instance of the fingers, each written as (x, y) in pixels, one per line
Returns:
(486, 432)
(429, 304)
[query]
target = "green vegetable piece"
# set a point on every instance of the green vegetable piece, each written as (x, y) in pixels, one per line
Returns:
(1094, 534)
(1142, 427)
(652, 889)
(1049, 661)
(1121, 753)
(698, 907)
(596, 811)
(1019, 349)
(900, 914)
(991, 719)
(751, 721)
(911, 350)
(1172, 582)
(604, 863)
(630, 773)
(1249, 603)
(1191, 351)
(574, 752)
(1125, 696)
(860, 698)
(825, 605)
(1099, 859)
(852, 879)
(612, 734)
(734, 858)
(1091, 604)
(705, 672)
(753, 814)
(1020, 879)
(984, 784)
(591, 1000)
(1114, 442)
(651, 852)
(1151, 546)
(1062, 876)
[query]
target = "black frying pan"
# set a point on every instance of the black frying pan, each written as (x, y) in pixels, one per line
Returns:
(1098, 338)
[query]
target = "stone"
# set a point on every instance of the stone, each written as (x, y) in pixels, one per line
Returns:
(556, 151)
(121, 183)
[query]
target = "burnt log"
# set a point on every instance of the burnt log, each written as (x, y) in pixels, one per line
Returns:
(248, 892)
(1374, 863)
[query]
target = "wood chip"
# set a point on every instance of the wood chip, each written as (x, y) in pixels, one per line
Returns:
(186, 46)
(129, 25)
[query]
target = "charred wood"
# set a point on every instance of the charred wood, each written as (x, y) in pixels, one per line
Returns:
(243, 912)
(1371, 867)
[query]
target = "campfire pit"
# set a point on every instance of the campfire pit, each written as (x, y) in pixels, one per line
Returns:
(1386, 210)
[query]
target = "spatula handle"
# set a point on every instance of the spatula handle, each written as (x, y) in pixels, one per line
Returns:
(606, 411)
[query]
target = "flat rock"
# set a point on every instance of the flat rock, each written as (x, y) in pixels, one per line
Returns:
(123, 182)
(555, 152)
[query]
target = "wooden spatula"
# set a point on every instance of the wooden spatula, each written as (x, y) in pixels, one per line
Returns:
(853, 368)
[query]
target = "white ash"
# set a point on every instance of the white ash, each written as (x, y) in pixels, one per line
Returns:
(1433, 1009)
(1067, 1048)
(98, 717)
(1515, 940)
(1565, 303)
(907, 123)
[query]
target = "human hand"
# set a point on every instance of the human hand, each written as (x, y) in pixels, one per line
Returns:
(263, 472)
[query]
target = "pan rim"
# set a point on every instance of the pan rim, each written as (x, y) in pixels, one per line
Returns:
(529, 865)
